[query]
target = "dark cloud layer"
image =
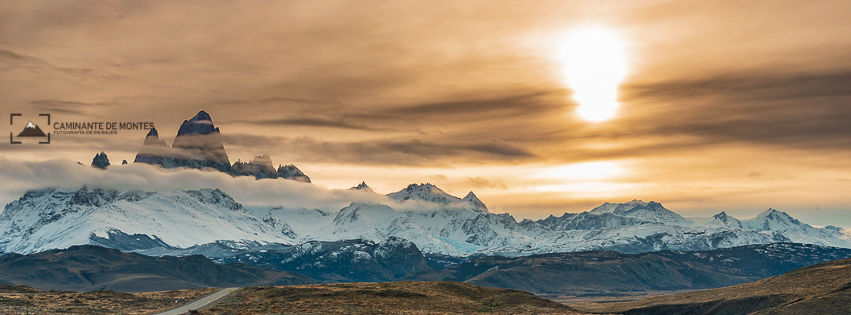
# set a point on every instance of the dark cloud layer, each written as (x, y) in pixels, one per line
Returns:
(388, 152)
(802, 110)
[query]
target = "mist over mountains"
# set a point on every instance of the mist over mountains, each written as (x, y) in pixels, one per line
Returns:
(176, 215)
(198, 144)
(189, 199)
(58, 218)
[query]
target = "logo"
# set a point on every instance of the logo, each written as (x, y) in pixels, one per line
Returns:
(41, 128)
(30, 131)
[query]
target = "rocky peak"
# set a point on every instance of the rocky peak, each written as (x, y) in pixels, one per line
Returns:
(259, 167)
(215, 197)
(200, 124)
(96, 197)
(425, 192)
(726, 220)
(199, 139)
(642, 211)
(362, 187)
(475, 201)
(153, 138)
(290, 171)
(100, 161)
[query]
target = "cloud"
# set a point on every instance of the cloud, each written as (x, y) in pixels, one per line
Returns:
(311, 122)
(802, 110)
(393, 152)
(67, 107)
(17, 177)
(481, 182)
(10, 61)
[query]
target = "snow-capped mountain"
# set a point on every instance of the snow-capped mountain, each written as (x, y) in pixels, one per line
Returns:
(778, 221)
(641, 211)
(431, 193)
(445, 224)
(425, 192)
(723, 220)
(58, 218)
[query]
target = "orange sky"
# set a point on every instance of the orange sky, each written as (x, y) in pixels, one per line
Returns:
(726, 105)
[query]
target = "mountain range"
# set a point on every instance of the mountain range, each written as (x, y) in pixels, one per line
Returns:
(435, 221)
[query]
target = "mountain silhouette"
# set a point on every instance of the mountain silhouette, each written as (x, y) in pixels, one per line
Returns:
(32, 130)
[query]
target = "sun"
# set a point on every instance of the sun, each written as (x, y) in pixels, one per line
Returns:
(594, 64)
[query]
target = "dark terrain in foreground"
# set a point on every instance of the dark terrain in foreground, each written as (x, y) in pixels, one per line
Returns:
(88, 268)
(577, 273)
(403, 297)
(819, 289)
(559, 275)
(21, 299)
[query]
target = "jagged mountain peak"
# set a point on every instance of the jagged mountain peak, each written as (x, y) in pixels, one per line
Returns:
(100, 161)
(641, 211)
(199, 145)
(153, 138)
(475, 201)
(201, 116)
(723, 219)
(722, 216)
(608, 207)
(362, 187)
(200, 124)
(772, 212)
(773, 219)
(425, 192)
(290, 171)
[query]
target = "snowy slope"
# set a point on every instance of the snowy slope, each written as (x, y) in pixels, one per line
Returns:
(773, 220)
(445, 224)
(58, 218)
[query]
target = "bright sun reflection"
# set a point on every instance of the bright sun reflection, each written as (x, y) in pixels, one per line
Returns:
(594, 61)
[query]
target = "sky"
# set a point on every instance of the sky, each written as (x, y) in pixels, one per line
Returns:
(723, 105)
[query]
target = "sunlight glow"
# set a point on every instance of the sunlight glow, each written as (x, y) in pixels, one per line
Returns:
(588, 178)
(584, 171)
(594, 64)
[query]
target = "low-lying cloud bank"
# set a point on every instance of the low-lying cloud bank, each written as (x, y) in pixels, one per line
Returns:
(17, 177)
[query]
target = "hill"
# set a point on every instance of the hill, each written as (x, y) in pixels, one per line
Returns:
(26, 300)
(819, 289)
(87, 268)
(611, 273)
(387, 298)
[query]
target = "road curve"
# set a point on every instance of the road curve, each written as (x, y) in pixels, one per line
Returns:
(202, 302)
